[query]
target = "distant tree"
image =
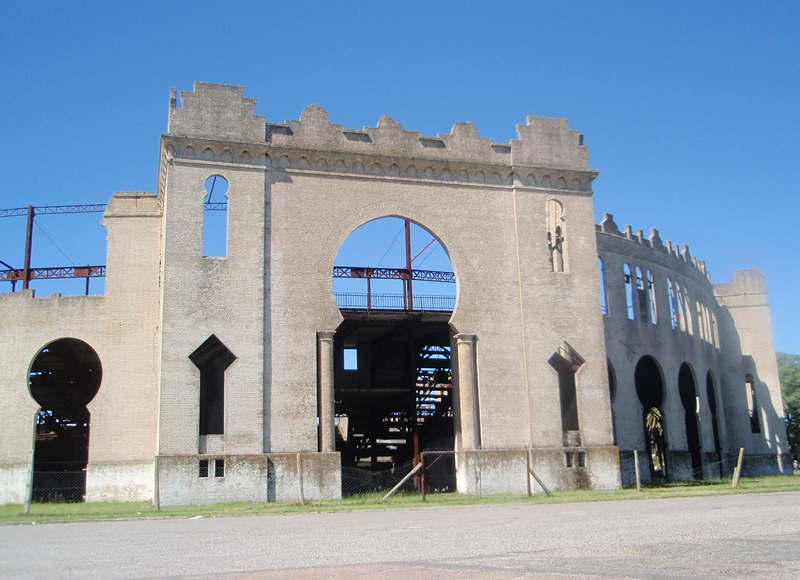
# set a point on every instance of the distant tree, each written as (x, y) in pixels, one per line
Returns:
(789, 369)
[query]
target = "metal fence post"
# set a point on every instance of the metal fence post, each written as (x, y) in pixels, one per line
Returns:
(478, 474)
(29, 485)
(422, 476)
(300, 479)
(737, 473)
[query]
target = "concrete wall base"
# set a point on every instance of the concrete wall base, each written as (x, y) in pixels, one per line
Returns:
(679, 466)
(248, 478)
(119, 481)
(14, 483)
(760, 465)
(498, 471)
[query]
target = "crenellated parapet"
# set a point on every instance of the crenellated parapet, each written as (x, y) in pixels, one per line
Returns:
(653, 242)
(216, 123)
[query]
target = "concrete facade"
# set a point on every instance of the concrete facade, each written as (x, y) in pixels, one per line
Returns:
(526, 318)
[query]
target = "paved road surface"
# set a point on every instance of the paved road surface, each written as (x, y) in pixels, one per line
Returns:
(745, 536)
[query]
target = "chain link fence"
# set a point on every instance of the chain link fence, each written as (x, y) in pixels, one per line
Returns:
(356, 481)
(62, 482)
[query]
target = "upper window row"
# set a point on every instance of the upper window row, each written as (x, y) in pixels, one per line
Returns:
(641, 303)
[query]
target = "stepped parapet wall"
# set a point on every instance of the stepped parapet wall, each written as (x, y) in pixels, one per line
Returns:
(652, 243)
(217, 123)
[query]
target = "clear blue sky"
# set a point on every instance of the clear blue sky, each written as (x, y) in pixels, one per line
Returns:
(689, 109)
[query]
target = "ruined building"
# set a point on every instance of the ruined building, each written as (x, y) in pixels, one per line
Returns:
(214, 379)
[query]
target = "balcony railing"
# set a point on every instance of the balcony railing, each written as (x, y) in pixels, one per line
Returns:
(357, 301)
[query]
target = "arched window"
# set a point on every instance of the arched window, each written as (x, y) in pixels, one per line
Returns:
(651, 298)
(714, 329)
(556, 235)
(752, 404)
(603, 295)
(215, 218)
(701, 324)
(683, 312)
(629, 290)
(673, 309)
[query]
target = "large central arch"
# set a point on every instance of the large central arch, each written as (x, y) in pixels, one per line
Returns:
(393, 379)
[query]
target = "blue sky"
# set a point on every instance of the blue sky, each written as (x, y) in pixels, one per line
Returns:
(689, 109)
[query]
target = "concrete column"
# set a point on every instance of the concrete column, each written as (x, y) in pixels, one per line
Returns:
(326, 411)
(467, 390)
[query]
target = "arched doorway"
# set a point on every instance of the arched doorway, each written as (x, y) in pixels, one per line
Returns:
(393, 388)
(64, 377)
(688, 393)
(650, 390)
(712, 407)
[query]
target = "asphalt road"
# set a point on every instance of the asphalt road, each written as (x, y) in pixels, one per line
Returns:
(742, 536)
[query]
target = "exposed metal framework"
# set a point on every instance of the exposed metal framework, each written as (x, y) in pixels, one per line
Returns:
(393, 274)
(84, 208)
(54, 209)
(53, 273)
(26, 274)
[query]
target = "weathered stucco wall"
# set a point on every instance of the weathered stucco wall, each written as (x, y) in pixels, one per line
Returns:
(296, 191)
(122, 327)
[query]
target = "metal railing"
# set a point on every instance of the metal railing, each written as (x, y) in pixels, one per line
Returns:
(359, 301)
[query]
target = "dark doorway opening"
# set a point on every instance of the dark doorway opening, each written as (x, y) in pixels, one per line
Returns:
(212, 358)
(688, 393)
(712, 406)
(566, 362)
(650, 390)
(393, 395)
(65, 376)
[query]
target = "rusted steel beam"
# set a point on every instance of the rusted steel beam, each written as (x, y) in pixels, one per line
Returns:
(83, 208)
(393, 274)
(409, 294)
(53, 273)
(54, 209)
(26, 268)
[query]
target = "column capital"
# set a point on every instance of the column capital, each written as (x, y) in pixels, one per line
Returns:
(462, 337)
(325, 335)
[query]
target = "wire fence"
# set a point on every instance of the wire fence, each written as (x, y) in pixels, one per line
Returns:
(63, 482)
(357, 481)
(495, 471)
(444, 472)
(710, 470)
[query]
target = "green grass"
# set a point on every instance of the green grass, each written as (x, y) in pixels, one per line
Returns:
(69, 512)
